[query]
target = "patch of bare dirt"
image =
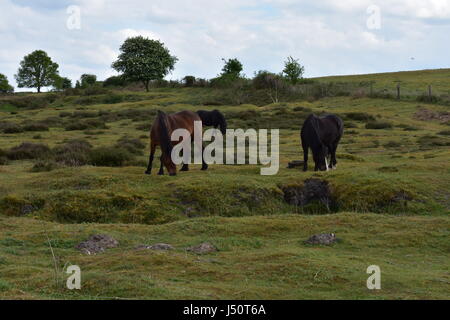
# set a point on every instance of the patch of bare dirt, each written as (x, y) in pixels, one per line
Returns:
(202, 248)
(97, 243)
(424, 114)
(322, 239)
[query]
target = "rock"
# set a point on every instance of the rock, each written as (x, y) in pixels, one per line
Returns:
(295, 164)
(324, 239)
(97, 243)
(202, 248)
(157, 246)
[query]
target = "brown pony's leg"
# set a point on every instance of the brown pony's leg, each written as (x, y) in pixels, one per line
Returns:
(161, 169)
(150, 159)
(305, 157)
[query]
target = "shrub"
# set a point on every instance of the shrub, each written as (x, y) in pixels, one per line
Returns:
(3, 160)
(392, 144)
(44, 166)
(114, 98)
(9, 127)
(109, 157)
(359, 116)
(65, 114)
(115, 81)
(28, 150)
(37, 126)
(87, 124)
(445, 133)
(378, 125)
(73, 153)
(133, 146)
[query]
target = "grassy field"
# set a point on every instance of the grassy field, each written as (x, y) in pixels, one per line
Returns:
(388, 202)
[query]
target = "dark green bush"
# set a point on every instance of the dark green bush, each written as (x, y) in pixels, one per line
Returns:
(73, 153)
(359, 116)
(11, 128)
(378, 125)
(113, 98)
(44, 165)
(28, 150)
(109, 156)
(133, 146)
(36, 126)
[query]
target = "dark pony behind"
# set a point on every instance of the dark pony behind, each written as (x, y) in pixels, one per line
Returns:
(213, 119)
(160, 134)
(322, 135)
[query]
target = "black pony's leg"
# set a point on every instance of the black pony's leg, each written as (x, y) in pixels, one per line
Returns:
(185, 166)
(333, 157)
(305, 158)
(161, 169)
(204, 164)
(150, 160)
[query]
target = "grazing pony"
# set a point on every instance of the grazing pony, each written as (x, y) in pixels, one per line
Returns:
(160, 134)
(322, 135)
(214, 119)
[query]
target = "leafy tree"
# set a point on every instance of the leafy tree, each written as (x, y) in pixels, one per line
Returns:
(36, 70)
(62, 83)
(293, 70)
(115, 81)
(5, 87)
(143, 59)
(189, 81)
(274, 84)
(232, 67)
(87, 80)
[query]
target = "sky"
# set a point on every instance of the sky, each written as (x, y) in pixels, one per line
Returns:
(329, 37)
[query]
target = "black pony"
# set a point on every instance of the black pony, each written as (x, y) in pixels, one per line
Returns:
(214, 119)
(322, 135)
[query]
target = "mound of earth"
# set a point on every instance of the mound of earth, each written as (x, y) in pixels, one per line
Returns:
(157, 246)
(202, 248)
(97, 243)
(312, 189)
(424, 114)
(322, 239)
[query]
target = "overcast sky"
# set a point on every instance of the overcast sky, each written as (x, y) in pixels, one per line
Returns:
(329, 37)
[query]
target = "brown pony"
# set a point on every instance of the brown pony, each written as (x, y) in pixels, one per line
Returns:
(160, 134)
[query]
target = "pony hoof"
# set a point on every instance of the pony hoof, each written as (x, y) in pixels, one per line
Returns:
(204, 168)
(184, 169)
(147, 172)
(160, 174)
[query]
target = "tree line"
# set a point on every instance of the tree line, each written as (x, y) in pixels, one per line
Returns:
(140, 60)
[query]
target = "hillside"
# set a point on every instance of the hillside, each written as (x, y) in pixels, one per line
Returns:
(388, 200)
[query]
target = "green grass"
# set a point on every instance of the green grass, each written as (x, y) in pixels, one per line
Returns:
(390, 204)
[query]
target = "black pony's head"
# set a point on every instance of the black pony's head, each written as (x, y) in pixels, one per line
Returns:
(220, 121)
(320, 154)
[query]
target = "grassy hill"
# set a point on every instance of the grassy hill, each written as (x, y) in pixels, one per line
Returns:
(388, 200)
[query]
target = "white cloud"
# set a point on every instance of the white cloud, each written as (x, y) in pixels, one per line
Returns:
(328, 36)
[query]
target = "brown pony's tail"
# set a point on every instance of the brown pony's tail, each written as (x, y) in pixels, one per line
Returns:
(166, 144)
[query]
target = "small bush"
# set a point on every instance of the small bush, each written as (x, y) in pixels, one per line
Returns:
(378, 125)
(11, 128)
(44, 166)
(444, 133)
(360, 116)
(133, 146)
(65, 114)
(87, 124)
(73, 153)
(392, 144)
(110, 157)
(114, 98)
(28, 150)
(37, 126)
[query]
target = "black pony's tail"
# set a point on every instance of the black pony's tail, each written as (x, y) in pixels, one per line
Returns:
(166, 144)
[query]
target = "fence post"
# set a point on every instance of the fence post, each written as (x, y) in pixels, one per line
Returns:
(398, 91)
